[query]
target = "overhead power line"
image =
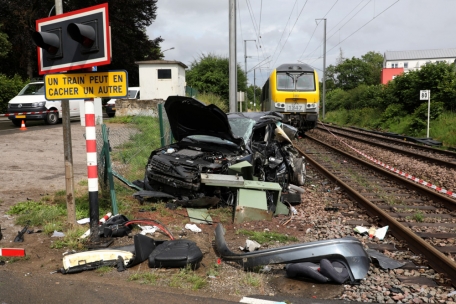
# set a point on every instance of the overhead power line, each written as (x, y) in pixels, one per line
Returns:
(342, 25)
(297, 18)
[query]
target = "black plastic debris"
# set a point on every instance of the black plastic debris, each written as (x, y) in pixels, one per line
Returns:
(176, 254)
(384, 261)
(20, 235)
(326, 272)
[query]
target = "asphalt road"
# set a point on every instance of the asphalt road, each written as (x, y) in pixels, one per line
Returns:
(18, 288)
(57, 288)
(7, 126)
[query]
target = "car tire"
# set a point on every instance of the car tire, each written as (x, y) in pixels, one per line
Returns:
(299, 173)
(52, 118)
(111, 114)
(17, 122)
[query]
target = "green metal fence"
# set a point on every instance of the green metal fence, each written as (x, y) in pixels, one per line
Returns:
(119, 149)
(191, 92)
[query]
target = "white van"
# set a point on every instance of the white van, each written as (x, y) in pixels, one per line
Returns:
(133, 93)
(31, 99)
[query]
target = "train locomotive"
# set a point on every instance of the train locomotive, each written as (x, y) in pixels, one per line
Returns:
(293, 90)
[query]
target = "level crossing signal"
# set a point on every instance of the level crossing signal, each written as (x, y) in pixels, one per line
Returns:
(74, 40)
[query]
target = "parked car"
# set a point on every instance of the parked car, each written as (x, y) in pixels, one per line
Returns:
(133, 93)
(210, 141)
(32, 99)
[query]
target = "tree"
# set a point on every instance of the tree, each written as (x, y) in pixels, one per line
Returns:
(5, 45)
(128, 32)
(347, 74)
(210, 74)
(250, 98)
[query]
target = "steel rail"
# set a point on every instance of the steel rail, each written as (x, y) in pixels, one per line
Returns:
(409, 153)
(398, 141)
(436, 259)
(446, 200)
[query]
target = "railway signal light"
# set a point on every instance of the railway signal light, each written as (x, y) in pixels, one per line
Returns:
(50, 41)
(72, 41)
(84, 34)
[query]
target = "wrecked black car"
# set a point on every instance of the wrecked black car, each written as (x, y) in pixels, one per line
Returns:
(210, 141)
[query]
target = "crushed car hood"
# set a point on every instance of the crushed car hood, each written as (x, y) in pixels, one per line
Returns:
(188, 116)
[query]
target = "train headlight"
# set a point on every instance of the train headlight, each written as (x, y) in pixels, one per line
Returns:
(279, 105)
(311, 105)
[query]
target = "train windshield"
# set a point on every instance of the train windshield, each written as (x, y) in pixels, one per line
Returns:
(295, 82)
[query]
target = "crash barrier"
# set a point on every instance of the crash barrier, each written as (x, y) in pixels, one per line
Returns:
(27, 113)
(119, 139)
(397, 171)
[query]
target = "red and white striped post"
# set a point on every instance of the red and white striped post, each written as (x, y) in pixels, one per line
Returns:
(92, 168)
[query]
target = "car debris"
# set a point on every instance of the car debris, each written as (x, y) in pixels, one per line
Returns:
(93, 259)
(324, 272)
(348, 251)
(176, 254)
(384, 261)
(255, 146)
(192, 227)
(20, 235)
(159, 253)
(250, 245)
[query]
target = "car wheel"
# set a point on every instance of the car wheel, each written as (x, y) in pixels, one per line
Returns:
(299, 173)
(17, 122)
(52, 118)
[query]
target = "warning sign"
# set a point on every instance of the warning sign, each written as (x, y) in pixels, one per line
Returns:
(86, 85)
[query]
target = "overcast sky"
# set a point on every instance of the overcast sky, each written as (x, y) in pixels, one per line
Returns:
(287, 31)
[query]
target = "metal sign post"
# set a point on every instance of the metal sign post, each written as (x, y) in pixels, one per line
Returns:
(426, 95)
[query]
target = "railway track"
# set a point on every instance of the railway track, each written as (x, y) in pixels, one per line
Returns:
(419, 218)
(430, 154)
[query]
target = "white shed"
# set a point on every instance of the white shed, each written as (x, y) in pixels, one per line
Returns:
(159, 79)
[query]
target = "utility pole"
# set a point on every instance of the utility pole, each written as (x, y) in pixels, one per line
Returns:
(232, 60)
(245, 63)
(324, 68)
(254, 92)
(67, 148)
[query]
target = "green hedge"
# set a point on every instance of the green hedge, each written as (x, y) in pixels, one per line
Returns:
(9, 87)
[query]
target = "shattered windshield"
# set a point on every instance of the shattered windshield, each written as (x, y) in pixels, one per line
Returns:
(242, 127)
(33, 89)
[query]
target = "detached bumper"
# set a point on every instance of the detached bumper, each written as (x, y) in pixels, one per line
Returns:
(348, 251)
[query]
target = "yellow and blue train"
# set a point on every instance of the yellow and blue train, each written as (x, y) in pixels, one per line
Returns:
(293, 90)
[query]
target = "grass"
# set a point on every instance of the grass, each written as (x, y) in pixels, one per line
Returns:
(266, 237)
(252, 279)
(149, 278)
(14, 259)
(103, 270)
(418, 216)
(186, 278)
(441, 129)
(50, 212)
(224, 214)
(132, 155)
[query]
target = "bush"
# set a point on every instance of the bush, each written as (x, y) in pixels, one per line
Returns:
(209, 98)
(9, 87)
(418, 124)
(392, 115)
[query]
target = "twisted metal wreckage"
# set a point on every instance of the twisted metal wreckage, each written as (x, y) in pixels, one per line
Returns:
(243, 160)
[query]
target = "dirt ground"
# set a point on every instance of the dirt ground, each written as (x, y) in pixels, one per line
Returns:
(32, 166)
